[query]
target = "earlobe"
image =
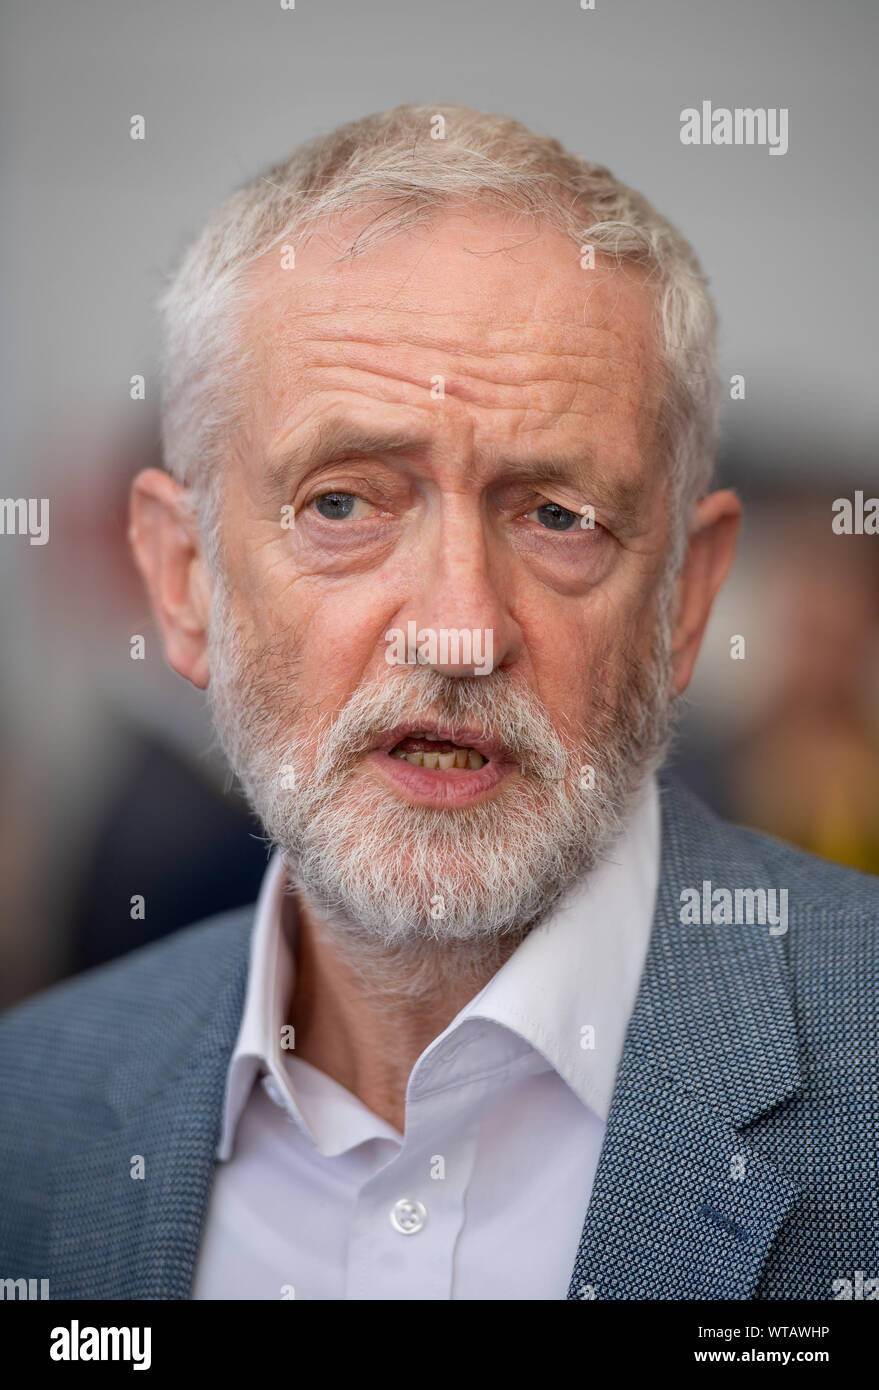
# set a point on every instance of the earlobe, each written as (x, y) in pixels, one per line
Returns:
(714, 528)
(166, 545)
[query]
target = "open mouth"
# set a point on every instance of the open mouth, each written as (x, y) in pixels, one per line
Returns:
(442, 765)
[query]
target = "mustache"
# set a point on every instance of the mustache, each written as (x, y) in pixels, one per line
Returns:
(500, 707)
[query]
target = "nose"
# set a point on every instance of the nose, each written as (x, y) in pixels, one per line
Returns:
(457, 620)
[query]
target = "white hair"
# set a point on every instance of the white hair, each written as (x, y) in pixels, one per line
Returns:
(392, 161)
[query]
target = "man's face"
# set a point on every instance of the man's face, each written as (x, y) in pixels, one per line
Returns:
(550, 400)
(506, 483)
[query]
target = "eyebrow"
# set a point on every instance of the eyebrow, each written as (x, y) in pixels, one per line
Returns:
(337, 439)
(623, 496)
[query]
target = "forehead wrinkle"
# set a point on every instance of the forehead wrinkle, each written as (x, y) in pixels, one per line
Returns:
(472, 371)
(289, 341)
(459, 392)
(335, 436)
(615, 350)
(286, 317)
(282, 309)
(292, 312)
(610, 376)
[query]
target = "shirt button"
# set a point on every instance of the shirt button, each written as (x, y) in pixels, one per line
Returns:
(408, 1216)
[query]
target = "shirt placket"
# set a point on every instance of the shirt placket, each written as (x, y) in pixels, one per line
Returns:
(407, 1218)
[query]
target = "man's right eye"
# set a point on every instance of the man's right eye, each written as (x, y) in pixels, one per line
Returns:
(340, 506)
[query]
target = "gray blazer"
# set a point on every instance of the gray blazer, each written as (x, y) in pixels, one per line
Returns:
(740, 1158)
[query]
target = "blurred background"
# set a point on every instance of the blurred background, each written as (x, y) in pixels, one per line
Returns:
(109, 783)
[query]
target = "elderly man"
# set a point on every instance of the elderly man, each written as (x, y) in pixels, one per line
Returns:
(512, 1017)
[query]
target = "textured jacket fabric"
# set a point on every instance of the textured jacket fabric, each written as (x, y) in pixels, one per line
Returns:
(741, 1151)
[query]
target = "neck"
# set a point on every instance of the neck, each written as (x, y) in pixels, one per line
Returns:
(364, 1013)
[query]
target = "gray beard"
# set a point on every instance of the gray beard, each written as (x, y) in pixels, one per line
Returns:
(411, 894)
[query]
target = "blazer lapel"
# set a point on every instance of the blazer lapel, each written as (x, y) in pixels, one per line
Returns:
(115, 1235)
(682, 1206)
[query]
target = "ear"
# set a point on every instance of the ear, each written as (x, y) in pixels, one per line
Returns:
(711, 548)
(167, 548)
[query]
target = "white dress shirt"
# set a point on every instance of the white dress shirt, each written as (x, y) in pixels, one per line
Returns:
(484, 1194)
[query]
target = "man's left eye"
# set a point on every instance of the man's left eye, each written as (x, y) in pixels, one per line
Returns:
(555, 517)
(340, 506)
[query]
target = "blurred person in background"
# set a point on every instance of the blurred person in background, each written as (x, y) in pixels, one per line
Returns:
(807, 766)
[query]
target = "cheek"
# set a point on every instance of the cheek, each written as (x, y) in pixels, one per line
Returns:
(566, 656)
(580, 664)
(333, 639)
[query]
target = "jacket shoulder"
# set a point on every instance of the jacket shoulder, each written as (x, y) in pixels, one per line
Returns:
(65, 1035)
(816, 887)
(77, 1060)
(819, 885)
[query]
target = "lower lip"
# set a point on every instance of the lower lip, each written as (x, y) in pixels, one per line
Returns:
(435, 787)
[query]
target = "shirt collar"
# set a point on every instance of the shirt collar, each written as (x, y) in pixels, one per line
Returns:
(269, 986)
(568, 989)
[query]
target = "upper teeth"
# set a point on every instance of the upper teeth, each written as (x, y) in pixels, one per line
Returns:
(461, 757)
